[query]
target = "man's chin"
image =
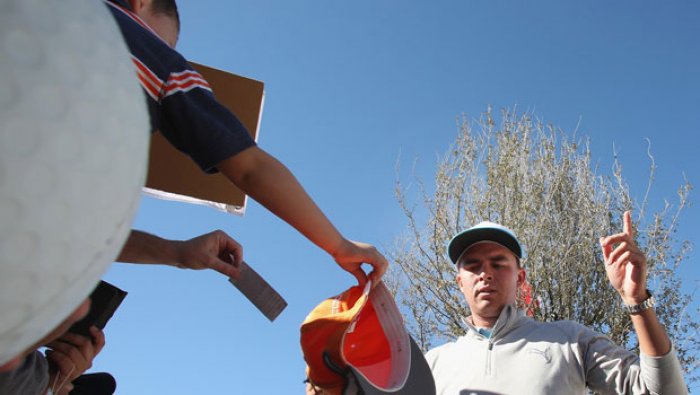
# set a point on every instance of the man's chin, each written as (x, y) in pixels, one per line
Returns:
(486, 297)
(488, 306)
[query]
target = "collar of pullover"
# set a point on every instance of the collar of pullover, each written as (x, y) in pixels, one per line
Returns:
(507, 320)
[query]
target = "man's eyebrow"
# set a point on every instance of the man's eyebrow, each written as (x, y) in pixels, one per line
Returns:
(493, 258)
(468, 261)
(500, 257)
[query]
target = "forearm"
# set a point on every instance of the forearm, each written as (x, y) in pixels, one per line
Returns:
(653, 340)
(270, 183)
(660, 368)
(141, 247)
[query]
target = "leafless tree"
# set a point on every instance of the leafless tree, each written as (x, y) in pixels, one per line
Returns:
(533, 178)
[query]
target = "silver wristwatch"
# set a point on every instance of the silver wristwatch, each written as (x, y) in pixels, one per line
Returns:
(646, 303)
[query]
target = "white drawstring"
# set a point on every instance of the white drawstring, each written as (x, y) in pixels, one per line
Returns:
(54, 389)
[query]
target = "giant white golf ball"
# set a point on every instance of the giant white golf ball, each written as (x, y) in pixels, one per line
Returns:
(74, 135)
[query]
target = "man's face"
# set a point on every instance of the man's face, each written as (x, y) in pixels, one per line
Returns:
(489, 277)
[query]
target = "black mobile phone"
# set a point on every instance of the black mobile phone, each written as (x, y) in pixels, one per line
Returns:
(105, 299)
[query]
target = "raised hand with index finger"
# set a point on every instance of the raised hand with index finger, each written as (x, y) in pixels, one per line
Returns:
(625, 264)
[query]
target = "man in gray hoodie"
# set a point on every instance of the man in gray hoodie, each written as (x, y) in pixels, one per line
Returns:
(506, 352)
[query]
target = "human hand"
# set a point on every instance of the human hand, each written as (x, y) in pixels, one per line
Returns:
(215, 250)
(351, 255)
(625, 264)
(70, 356)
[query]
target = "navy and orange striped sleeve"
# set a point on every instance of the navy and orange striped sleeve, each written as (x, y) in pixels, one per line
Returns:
(181, 103)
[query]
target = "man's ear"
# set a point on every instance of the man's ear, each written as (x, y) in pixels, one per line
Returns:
(458, 278)
(138, 5)
(521, 277)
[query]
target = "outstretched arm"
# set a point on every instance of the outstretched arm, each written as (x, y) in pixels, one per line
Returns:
(626, 267)
(210, 251)
(270, 183)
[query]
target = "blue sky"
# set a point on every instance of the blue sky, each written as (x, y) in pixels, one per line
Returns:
(351, 88)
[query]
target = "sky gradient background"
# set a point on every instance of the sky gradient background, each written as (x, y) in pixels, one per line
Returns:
(352, 88)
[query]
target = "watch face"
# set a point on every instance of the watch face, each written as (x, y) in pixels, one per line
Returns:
(647, 303)
(651, 302)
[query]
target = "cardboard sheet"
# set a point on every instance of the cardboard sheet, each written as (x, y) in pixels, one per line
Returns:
(173, 175)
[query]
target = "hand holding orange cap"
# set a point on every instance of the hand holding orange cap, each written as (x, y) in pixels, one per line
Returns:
(353, 254)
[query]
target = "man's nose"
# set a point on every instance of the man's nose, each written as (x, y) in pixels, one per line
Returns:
(486, 275)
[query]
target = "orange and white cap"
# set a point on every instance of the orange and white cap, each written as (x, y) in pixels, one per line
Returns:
(357, 340)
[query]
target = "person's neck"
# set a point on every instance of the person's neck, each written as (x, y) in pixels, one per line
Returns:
(483, 321)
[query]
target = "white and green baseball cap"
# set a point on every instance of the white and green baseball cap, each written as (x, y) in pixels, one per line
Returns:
(483, 232)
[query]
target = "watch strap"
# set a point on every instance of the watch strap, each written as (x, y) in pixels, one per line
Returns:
(647, 303)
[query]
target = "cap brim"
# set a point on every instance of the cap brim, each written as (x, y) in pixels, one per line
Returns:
(420, 379)
(377, 344)
(466, 239)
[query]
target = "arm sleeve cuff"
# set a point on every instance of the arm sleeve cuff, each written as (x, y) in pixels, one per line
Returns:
(663, 375)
